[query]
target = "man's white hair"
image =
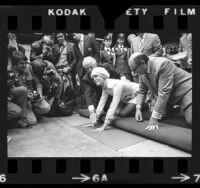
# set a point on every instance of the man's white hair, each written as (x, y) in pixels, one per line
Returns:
(89, 61)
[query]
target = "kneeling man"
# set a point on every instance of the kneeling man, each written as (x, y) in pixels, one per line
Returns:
(171, 84)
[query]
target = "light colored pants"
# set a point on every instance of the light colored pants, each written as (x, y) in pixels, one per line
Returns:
(14, 111)
(37, 108)
(187, 109)
(17, 107)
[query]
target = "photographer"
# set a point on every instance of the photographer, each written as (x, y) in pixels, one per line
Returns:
(64, 66)
(36, 104)
(16, 95)
(44, 49)
(51, 82)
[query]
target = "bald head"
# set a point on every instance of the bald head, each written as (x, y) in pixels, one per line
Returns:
(137, 59)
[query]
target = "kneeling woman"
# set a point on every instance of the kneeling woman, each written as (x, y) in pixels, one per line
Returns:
(124, 96)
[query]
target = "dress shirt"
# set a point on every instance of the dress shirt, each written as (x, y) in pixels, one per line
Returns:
(80, 44)
(63, 53)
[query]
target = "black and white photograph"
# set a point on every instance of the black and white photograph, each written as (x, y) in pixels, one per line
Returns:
(99, 94)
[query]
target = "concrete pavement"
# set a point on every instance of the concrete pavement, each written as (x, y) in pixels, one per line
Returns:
(66, 137)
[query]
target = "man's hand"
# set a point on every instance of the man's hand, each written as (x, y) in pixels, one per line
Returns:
(138, 115)
(153, 124)
(66, 70)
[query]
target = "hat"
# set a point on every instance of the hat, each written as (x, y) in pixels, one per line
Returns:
(100, 71)
(120, 36)
(108, 37)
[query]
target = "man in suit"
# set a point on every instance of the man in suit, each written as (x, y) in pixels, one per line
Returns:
(147, 43)
(85, 46)
(67, 58)
(186, 45)
(171, 84)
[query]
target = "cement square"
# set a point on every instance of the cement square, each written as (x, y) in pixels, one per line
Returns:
(75, 120)
(50, 139)
(112, 137)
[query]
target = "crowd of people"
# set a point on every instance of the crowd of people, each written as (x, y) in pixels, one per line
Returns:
(109, 80)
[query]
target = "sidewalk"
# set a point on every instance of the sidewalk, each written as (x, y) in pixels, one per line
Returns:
(66, 137)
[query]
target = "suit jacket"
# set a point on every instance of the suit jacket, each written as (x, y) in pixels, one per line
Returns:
(90, 48)
(121, 62)
(92, 91)
(151, 45)
(186, 45)
(71, 58)
(169, 82)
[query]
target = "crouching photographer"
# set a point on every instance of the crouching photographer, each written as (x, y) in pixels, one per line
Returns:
(44, 49)
(66, 100)
(51, 82)
(16, 102)
(36, 104)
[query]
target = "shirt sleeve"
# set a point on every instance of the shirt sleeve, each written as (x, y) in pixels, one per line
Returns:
(117, 92)
(165, 85)
(102, 102)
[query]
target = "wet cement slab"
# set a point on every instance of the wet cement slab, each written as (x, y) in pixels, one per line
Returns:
(54, 138)
(66, 137)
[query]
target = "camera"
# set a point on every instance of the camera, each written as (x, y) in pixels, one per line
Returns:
(33, 96)
(12, 80)
(63, 70)
(50, 83)
(48, 73)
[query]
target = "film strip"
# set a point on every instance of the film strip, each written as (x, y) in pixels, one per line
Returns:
(168, 22)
